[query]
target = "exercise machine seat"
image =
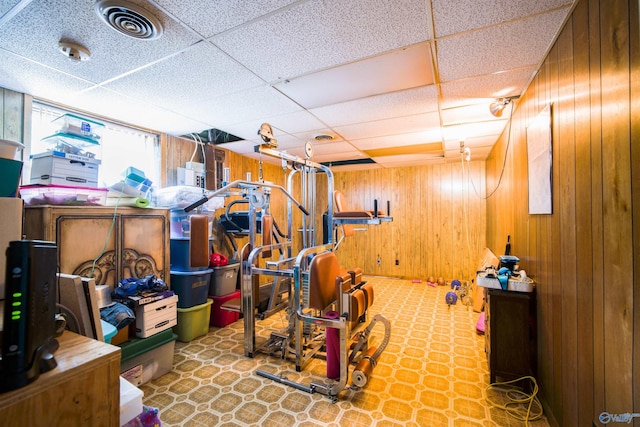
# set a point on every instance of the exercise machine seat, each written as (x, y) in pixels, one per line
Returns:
(323, 271)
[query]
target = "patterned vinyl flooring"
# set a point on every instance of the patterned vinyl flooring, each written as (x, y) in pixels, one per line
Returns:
(434, 372)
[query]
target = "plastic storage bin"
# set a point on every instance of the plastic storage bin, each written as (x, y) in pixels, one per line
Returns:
(108, 331)
(193, 322)
(145, 359)
(63, 195)
(181, 196)
(179, 258)
(130, 401)
(79, 126)
(224, 279)
(221, 317)
(191, 286)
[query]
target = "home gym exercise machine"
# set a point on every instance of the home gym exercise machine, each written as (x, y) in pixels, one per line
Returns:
(327, 307)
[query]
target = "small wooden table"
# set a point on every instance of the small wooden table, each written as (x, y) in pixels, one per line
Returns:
(83, 390)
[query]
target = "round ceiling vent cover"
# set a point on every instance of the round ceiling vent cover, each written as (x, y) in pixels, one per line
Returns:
(129, 19)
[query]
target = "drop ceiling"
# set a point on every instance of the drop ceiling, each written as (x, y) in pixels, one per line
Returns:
(396, 83)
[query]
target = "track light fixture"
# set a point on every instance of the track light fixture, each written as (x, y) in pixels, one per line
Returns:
(498, 106)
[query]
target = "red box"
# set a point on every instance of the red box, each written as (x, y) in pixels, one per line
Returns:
(220, 317)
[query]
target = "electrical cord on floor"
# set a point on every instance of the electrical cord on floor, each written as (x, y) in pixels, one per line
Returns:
(517, 398)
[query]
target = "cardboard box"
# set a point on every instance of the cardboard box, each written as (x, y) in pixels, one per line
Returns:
(10, 230)
(156, 316)
(56, 168)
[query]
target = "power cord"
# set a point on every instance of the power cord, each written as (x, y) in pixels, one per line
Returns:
(504, 164)
(106, 242)
(516, 399)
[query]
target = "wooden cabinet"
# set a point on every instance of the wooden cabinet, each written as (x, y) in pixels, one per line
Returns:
(510, 334)
(95, 242)
(83, 390)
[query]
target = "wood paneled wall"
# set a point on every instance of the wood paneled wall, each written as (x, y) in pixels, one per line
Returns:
(585, 256)
(438, 221)
(439, 214)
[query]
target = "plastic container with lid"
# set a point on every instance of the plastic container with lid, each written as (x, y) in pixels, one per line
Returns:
(79, 126)
(193, 322)
(62, 195)
(108, 331)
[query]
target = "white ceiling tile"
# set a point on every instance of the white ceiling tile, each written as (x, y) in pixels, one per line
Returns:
(403, 103)
(466, 131)
(398, 70)
(239, 107)
(220, 17)
(511, 45)
(485, 88)
(312, 134)
(240, 147)
(112, 53)
(468, 113)
(114, 106)
(456, 16)
(296, 122)
(425, 137)
(471, 142)
(21, 75)
(164, 82)
(320, 150)
(399, 125)
(320, 34)
(181, 83)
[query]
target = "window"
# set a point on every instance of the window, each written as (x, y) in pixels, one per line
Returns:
(120, 146)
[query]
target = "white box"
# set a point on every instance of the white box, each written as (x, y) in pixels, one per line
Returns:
(59, 168)
(130, 401)
(156, 316)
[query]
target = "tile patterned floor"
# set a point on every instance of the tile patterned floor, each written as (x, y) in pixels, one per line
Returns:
(433, 373)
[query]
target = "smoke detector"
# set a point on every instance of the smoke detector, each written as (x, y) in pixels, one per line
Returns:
(73, 51)
(129, 19)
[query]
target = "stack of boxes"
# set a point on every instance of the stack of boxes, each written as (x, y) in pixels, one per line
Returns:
(191, 284)
(71, 160)
(150, 354)
(66, 173)
(222, 289)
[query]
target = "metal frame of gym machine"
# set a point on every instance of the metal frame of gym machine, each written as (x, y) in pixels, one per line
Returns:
(300, 323)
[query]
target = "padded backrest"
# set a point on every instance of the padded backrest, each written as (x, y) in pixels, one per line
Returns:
(323, 271)
(341, 206)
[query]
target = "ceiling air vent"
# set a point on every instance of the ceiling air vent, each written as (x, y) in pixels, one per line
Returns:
(129, 19)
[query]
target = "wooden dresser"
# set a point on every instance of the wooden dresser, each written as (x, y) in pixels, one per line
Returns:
(83, 390)
(132, 243)
(510, 334)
